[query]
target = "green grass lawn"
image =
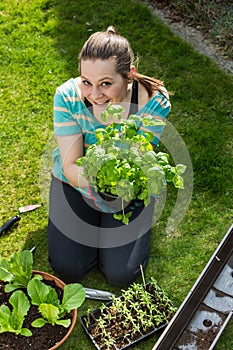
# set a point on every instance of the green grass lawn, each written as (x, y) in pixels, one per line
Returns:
(39, 46)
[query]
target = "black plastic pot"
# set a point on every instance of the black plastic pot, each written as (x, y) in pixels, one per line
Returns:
(114, 201)
(108, 196)
(123, 341)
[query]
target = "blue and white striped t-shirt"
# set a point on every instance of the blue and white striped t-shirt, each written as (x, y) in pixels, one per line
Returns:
(71, 116)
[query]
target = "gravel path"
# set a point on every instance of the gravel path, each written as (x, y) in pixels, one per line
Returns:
(193, 37)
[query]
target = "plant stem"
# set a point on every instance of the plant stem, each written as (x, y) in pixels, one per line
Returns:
(143, 278)
(123, 209)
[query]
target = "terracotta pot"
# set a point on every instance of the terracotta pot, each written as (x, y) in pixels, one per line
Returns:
(61, 284)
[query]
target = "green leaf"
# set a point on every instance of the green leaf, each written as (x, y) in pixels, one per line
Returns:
(79, 161)
(178, 181)
(149, 157)
(92, 171)
(135, 117)
(20, 303)
(49, 312)
(147, 201)
(17, 271)
(151, 121)
(4, 318)
(143, 195)
(40, 293)
(180, 168)
(114, 108)
(156, 180)
(112, 111)
(38, 277)
(5, 274)
(12, 321)
(39, 322)
(126, 217)
(47, 299)
(11, 287)
(117, 216)
(64, 323)
(99, 134)
(163, 158)
(125, 189)
(149, 136)
(26, 332)
(132, 131)
(73, 297)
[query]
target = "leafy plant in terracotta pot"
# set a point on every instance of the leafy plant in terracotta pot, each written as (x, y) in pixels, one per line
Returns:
(122, 163)
(37, 310)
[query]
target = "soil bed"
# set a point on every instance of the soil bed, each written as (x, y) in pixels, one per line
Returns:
(43, 338)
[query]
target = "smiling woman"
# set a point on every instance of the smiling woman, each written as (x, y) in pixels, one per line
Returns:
(76, 232)
(101, 84)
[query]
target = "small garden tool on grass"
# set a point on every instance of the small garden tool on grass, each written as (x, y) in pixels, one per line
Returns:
(9, 223)
(98, 294)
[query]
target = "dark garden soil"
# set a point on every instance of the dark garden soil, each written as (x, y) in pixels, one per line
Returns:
(114, 328)
(42, 339)
(202, 339)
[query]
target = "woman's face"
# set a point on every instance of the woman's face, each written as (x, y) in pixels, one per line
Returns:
(101, 84)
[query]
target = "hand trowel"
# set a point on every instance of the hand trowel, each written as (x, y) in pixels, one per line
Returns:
(9, 223)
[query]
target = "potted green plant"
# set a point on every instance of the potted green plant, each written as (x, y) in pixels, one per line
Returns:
(122, 163)
(139, 312)
(37, 309)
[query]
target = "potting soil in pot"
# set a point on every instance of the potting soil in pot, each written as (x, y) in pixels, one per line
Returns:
(42, 339)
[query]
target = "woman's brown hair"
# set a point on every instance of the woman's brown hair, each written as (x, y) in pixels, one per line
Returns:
(110, 44)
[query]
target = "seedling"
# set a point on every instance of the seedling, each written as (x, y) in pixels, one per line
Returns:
(140, 311)
(17, 273)
(12, 321)
(50, 307)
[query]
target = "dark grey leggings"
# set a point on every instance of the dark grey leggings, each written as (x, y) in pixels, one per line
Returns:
(81, 236)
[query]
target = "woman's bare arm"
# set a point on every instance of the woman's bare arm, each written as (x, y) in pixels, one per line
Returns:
(71, 148)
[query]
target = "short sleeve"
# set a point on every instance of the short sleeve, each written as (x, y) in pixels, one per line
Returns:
(65, 122)
(158, 107)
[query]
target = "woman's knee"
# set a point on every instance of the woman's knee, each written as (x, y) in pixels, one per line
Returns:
(69, 259)
(68, 270)
(123, 276)
(121, 265)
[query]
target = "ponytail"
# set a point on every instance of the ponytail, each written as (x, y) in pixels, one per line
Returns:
(151, 84)
(111, 30)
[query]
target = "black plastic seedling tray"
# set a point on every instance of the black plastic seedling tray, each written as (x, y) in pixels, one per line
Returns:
(206, 311)
(121, 341)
